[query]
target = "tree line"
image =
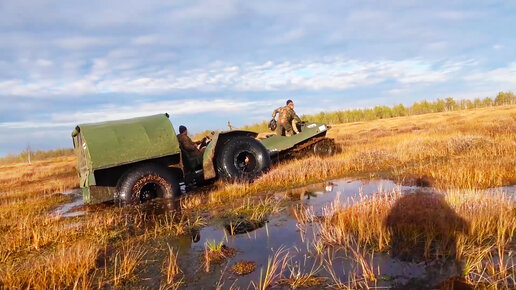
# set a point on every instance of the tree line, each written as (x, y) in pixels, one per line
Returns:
(343, 116)
(382, 112)
(28, 155)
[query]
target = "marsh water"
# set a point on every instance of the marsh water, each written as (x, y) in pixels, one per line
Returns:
(282, 231)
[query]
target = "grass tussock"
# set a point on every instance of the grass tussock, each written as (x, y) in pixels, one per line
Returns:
(216, 253)
(249, 216)
(302, 281)
(171, 269)
(126, 262)
(243, 267)
(298, 278)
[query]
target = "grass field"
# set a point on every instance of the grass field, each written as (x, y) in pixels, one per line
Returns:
(460, 152)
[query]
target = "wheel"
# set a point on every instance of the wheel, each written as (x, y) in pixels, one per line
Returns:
(242, 158)
(325, 147)
(146, 182)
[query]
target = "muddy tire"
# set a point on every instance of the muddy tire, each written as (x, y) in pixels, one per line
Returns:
(325, 147)
(145, 182)
(242, 159)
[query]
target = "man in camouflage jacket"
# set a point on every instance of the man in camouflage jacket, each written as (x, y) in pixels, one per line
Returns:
(285, 118)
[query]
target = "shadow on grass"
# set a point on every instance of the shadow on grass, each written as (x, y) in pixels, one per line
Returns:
(424, 226)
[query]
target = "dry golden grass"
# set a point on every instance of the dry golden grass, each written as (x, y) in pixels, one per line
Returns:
(171, 268)
(467, 225)
(459, 152)
(464, 149)
(41, 250)
(273, 272)
(126, 261)
(216, 253)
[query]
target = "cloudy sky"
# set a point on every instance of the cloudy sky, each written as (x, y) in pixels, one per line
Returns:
(211, 61)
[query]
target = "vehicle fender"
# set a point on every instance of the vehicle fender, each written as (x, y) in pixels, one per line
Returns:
(217, 141)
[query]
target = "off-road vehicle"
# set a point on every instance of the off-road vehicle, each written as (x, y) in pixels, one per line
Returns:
(135, 160)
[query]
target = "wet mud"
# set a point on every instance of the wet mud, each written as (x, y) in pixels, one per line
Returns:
(73, 208)
(256, 243)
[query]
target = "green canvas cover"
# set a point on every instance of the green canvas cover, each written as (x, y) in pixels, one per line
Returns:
(114, 143)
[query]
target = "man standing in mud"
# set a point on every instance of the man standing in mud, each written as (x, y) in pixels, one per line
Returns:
(193, 148)
(285, 118)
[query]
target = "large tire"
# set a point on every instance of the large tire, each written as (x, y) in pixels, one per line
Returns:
(324, 148)
(242, 159)
(145, 182)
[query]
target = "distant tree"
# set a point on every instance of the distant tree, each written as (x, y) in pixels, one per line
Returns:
(440, 105)
(369, 114)
(450, 104)
(28, 154)
(399, 110)
(487, 102)
(505, 98)
(466, 104)
(382, 112)
(477, 103)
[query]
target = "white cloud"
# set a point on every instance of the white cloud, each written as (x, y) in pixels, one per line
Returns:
(83, 42)
(44, 62)
(145, 39)
(207, 10)
(118, 75)
(498, 46)
(116, 112)
(458, 15)
(289, 36)
(505, 76)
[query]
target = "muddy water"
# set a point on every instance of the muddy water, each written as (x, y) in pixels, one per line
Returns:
(72, 208)
(282, 231)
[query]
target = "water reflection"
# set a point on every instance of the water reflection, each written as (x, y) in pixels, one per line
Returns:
(257, 242)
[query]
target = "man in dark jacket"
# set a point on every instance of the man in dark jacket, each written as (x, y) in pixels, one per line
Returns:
(191, 147)
(285, 118)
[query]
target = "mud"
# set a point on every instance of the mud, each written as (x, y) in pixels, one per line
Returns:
(283, 232)
(258, 242)
(72, 208)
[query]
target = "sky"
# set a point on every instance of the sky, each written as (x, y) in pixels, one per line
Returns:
(207, 62)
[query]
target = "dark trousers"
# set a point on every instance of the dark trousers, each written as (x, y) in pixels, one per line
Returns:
(284, 129)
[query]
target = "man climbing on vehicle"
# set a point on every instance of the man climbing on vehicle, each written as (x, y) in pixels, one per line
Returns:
(191, 147)
(287, 119)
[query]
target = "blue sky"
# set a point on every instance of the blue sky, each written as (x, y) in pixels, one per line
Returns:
(210, 61)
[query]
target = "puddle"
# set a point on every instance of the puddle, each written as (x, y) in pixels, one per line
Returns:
(347, 192)
(69, 209)
(283, 231)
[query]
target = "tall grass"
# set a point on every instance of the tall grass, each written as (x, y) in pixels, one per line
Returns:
(467, 225)
(458, 152)
(466, 149)
(276, 265)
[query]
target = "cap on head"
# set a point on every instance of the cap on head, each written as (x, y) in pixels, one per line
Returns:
(182, 129)
(288, 102)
